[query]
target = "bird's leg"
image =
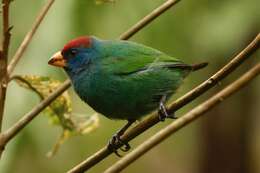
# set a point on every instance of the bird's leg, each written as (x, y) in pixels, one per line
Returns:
(162, 111)
(116, 141)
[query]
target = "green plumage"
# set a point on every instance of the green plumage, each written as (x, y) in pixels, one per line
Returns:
(122, 79)
(125, 80)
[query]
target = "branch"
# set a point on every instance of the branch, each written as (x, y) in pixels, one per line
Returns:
(17, 127)
(147, 19)
(190, 96)
(27, 39)
(4, 57)
(184, 120)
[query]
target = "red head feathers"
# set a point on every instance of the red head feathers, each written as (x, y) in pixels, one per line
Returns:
(83, 41)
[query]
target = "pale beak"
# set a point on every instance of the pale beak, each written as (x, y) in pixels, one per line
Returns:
(57, 60)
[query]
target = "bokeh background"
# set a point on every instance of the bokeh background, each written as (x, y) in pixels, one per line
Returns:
(225, 140)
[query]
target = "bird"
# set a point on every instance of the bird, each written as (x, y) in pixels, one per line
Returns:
(122, 80)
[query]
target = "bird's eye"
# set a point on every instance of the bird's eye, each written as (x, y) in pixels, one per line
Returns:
(73, 52)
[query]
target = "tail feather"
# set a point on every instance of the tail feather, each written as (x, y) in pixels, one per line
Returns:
(195, 67)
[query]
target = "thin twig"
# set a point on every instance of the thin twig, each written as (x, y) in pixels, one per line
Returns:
(18, 126)
(29, 85)
(27, 39)
(187, 98)
(147, 19)
(184, 120)
(4, 57)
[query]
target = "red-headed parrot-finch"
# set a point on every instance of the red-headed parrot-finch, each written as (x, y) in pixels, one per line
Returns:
(122, 79)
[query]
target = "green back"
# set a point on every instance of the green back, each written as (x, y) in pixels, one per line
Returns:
(128, 57)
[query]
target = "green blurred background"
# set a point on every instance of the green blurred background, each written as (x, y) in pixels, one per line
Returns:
(225, 140)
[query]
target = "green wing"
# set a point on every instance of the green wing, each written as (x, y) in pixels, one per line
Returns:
(129, 58)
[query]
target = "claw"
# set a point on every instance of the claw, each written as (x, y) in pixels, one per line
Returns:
(171, 116)
(163, 112)
(114, 144)
(126, 147)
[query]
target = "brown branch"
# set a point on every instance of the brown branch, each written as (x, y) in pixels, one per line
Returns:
(27, 39)
(184, 120)
(147, 19)
(4, 57)
(193, 94)
(18, 126)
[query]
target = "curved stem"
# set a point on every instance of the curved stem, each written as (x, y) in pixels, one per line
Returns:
(16, 77)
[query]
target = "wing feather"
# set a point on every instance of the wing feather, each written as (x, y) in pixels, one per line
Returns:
(130, 58)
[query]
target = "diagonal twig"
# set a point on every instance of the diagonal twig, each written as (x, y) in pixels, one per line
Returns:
(147, 19)
(184, 120)
(27, 39)
(182, 101)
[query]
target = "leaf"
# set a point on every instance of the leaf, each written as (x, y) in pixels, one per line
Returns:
(60, 110)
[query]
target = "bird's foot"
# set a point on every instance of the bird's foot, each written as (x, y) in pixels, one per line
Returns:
(163, 114)
(116, 143)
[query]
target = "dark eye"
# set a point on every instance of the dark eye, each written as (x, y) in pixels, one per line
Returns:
(73, 52)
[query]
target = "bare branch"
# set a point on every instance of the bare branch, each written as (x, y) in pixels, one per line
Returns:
(184, 120)
(4, 57)
(12, 131)
(147, 19)
(28, 37)
(187, 98)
